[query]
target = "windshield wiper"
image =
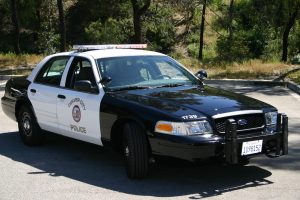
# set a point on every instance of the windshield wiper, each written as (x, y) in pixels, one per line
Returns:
(133, 87)
(170, 85)
(139, 87)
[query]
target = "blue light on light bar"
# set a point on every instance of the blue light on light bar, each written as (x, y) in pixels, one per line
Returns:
(109, 46)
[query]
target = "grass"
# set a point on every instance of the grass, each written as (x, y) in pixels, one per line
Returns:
(252, 69)
(295, 77)
(12, 61)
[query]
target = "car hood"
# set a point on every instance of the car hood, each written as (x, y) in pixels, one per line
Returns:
(200, 101)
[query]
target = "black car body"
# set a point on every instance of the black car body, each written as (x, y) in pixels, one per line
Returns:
(204, 102)
(231, 119)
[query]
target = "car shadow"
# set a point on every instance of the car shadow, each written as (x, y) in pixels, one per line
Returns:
(102, 167)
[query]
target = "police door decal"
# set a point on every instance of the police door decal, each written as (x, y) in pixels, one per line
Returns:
(77, 105)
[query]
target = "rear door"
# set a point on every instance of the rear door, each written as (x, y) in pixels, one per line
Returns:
(79, 111)
(43, 92)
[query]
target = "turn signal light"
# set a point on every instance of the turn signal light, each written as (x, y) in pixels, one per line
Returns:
(162, 127)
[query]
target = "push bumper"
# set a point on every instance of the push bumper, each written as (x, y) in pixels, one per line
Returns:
(278, 144)
(229, 146)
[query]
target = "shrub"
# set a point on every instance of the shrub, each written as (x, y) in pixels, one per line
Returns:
(160, 29)
(111, 31)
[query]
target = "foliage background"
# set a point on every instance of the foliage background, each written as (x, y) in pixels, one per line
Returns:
(171, 27)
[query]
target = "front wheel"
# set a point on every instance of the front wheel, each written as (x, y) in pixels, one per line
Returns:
(29, 130)
(135, 150)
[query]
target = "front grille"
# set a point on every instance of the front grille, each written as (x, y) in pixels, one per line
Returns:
(254, 122)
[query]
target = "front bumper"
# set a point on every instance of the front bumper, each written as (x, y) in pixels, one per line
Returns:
(229, 146)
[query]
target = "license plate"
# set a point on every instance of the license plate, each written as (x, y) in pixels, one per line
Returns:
(252, 147)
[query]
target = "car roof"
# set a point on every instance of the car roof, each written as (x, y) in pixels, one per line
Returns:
(108, 53)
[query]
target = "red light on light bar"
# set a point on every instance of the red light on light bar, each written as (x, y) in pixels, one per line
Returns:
(109, 46)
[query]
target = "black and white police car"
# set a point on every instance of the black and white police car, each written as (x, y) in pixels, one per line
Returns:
(143, 103)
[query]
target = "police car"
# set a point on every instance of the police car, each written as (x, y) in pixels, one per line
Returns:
(143, 103)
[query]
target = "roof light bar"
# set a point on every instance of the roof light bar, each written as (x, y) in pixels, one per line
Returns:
(109, 46)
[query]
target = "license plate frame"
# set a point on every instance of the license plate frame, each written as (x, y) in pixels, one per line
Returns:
(252, 147)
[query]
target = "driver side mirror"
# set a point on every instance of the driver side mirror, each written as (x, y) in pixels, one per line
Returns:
(201, 75)
(105, 80)
(85, 86)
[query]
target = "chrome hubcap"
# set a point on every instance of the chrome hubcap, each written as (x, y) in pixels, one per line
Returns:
(26, 123)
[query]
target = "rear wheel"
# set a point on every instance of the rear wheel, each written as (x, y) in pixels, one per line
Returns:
(135, 151)
(29, 130)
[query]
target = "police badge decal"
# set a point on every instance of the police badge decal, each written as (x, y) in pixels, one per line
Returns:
(76, 113)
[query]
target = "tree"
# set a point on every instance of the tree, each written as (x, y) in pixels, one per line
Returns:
(112, 31)
(185, 13)
(62, 27)
(160, 29)
(16, 24)
(200, 56)
(291, 19)
(230, 19)
(139, 7)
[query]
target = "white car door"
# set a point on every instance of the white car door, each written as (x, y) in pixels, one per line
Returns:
(78, 110)
(43, 92)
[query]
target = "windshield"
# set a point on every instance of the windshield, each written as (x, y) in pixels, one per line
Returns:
(143, 71)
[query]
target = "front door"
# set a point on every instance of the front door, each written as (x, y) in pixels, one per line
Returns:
(79, 111)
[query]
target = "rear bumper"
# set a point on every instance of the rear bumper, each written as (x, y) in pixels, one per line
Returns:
(229, 146)
(8, 107)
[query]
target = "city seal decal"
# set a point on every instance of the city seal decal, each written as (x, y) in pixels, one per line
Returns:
(76, 113)
(77, 108)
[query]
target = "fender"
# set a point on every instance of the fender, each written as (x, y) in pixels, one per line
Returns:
(115, 138)
(24, 101)
(134, 119)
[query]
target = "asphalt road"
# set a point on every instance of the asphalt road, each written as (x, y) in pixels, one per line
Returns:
(68, 169)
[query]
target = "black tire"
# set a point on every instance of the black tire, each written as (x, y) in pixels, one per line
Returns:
(29, 130)
(135, 151)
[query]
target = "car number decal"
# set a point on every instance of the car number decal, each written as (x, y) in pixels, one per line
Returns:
(189, 117)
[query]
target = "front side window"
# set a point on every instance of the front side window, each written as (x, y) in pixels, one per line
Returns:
(51, 73)
(80, 70)
(152, 71)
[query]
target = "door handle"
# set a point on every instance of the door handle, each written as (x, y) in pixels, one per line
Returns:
(33, 90)
(61, 96)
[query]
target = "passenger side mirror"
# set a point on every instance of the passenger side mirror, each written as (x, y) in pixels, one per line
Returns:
(105, 80)
(201, 75)
(85, 86)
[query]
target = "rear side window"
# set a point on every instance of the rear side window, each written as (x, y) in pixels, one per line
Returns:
(52, 71)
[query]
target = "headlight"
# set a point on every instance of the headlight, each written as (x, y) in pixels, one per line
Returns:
(271, 118)
(183, 128)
